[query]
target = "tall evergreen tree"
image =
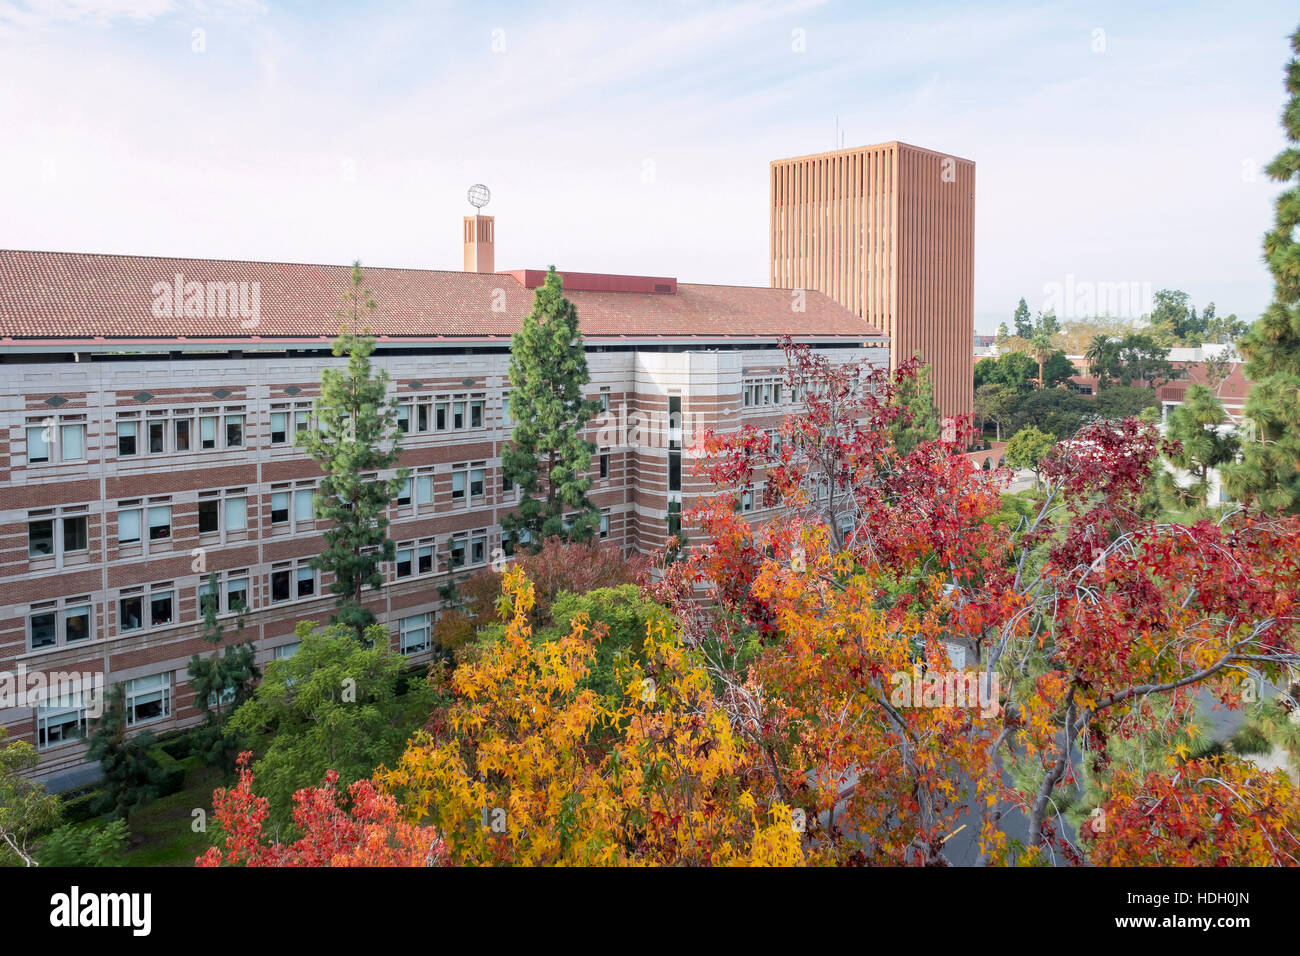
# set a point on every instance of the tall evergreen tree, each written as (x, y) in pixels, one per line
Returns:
(1268, 475)
(132, 777)
(547, 457)
(1195, 425)
(221, 682)
(355, 439)
(920, 419)
(1023, 322)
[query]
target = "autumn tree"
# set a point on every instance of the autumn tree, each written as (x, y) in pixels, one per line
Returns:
(547, 457)
(509, 775)
(361, 826)
(824, 625)
(356, 438)
(1269, 473)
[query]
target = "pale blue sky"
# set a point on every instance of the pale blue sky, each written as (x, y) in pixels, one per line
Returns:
(636, 137)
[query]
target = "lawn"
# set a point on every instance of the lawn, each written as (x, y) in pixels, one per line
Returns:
(162, 833)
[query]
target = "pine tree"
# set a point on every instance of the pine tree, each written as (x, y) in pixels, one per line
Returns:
(547, 457)
(1024, 324)
(919, 421)
(1268, 476)
(355, 439)
(220, 682)
(132, 777)
(1195, 425)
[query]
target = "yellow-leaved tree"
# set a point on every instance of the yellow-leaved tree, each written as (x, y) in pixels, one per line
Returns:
(530, 767)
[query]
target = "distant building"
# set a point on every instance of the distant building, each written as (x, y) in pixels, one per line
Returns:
(887, 231)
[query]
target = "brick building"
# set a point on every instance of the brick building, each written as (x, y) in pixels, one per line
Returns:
(149, 407)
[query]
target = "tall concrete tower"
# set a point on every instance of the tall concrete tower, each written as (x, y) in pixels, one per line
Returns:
(889, 232)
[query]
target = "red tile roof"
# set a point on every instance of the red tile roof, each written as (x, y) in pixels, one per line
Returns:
(63, 295)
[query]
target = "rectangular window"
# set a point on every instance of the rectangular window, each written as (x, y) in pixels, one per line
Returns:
(674, 517)
(128, 526)
(236, 514)
(604, 400)
(148, 698)
(279, 507)
(76, 623)
(477, 480)
(478, 548)
(404, 492)
(458, 485)
(424, 559)
(604, 464)
(234, 431)
(301, 420)
(304, 505)
(279, 428)
(674, 471)
(286, 651)
(476, 414)
(126, 435)
(43, 629)
(157, 436)
(236, 592)
(38, 445)
(209, 522)
(404, 562)
(280, 585)
(441, 416)
(404, 419)
(72, 439)
(208, 431)
(458, 551)
(40, 538)
(130, 613)
(413, 634)
(424, 489)
(160, 522)
(457, 414)
(76, 535)
(60, 721)
(160, 608)
(181, 430)
(306, 578)
(604, 526)
(422, 417)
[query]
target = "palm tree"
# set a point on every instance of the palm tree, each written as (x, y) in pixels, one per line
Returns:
(1099, 355)
(1042, 347)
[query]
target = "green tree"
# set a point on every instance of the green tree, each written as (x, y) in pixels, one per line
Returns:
(1024, 324)
(1027, 449)
(1144, 359)
(1041, 348)
(73, 845)
(919, 421)
(995, 403)
(221, 682)
(132, 776)
(1058, 369)
(547, 457)
(356, 438)
(1125, 401)
(26, 808)
(1102, 355)
(1268, 475)
(1003, 332)
(336, 704)
(1203, 445)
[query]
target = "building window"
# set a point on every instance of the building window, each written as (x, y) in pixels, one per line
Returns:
(279, 428)
(604, 400)
(231, 595)
(127, 432)
(457, 415)
(404, 564)
(285, 651)
(478, 548)
(148, 698)
(234, 431)
(208, 431)
(414, 634)
(424, 488)
(604, 463)
(404, 493)
(477, 482)
(223, 511)
(440, 416)
(476, 413)
(61, 721)
(674, 471)
(604, 524)
(54, 440)
(674, 517)
(458, 550)
(458, 484)
(424, 557)
(293, 580)
(160, 522)
(56, 535)
(137, 610)
(181, 432)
